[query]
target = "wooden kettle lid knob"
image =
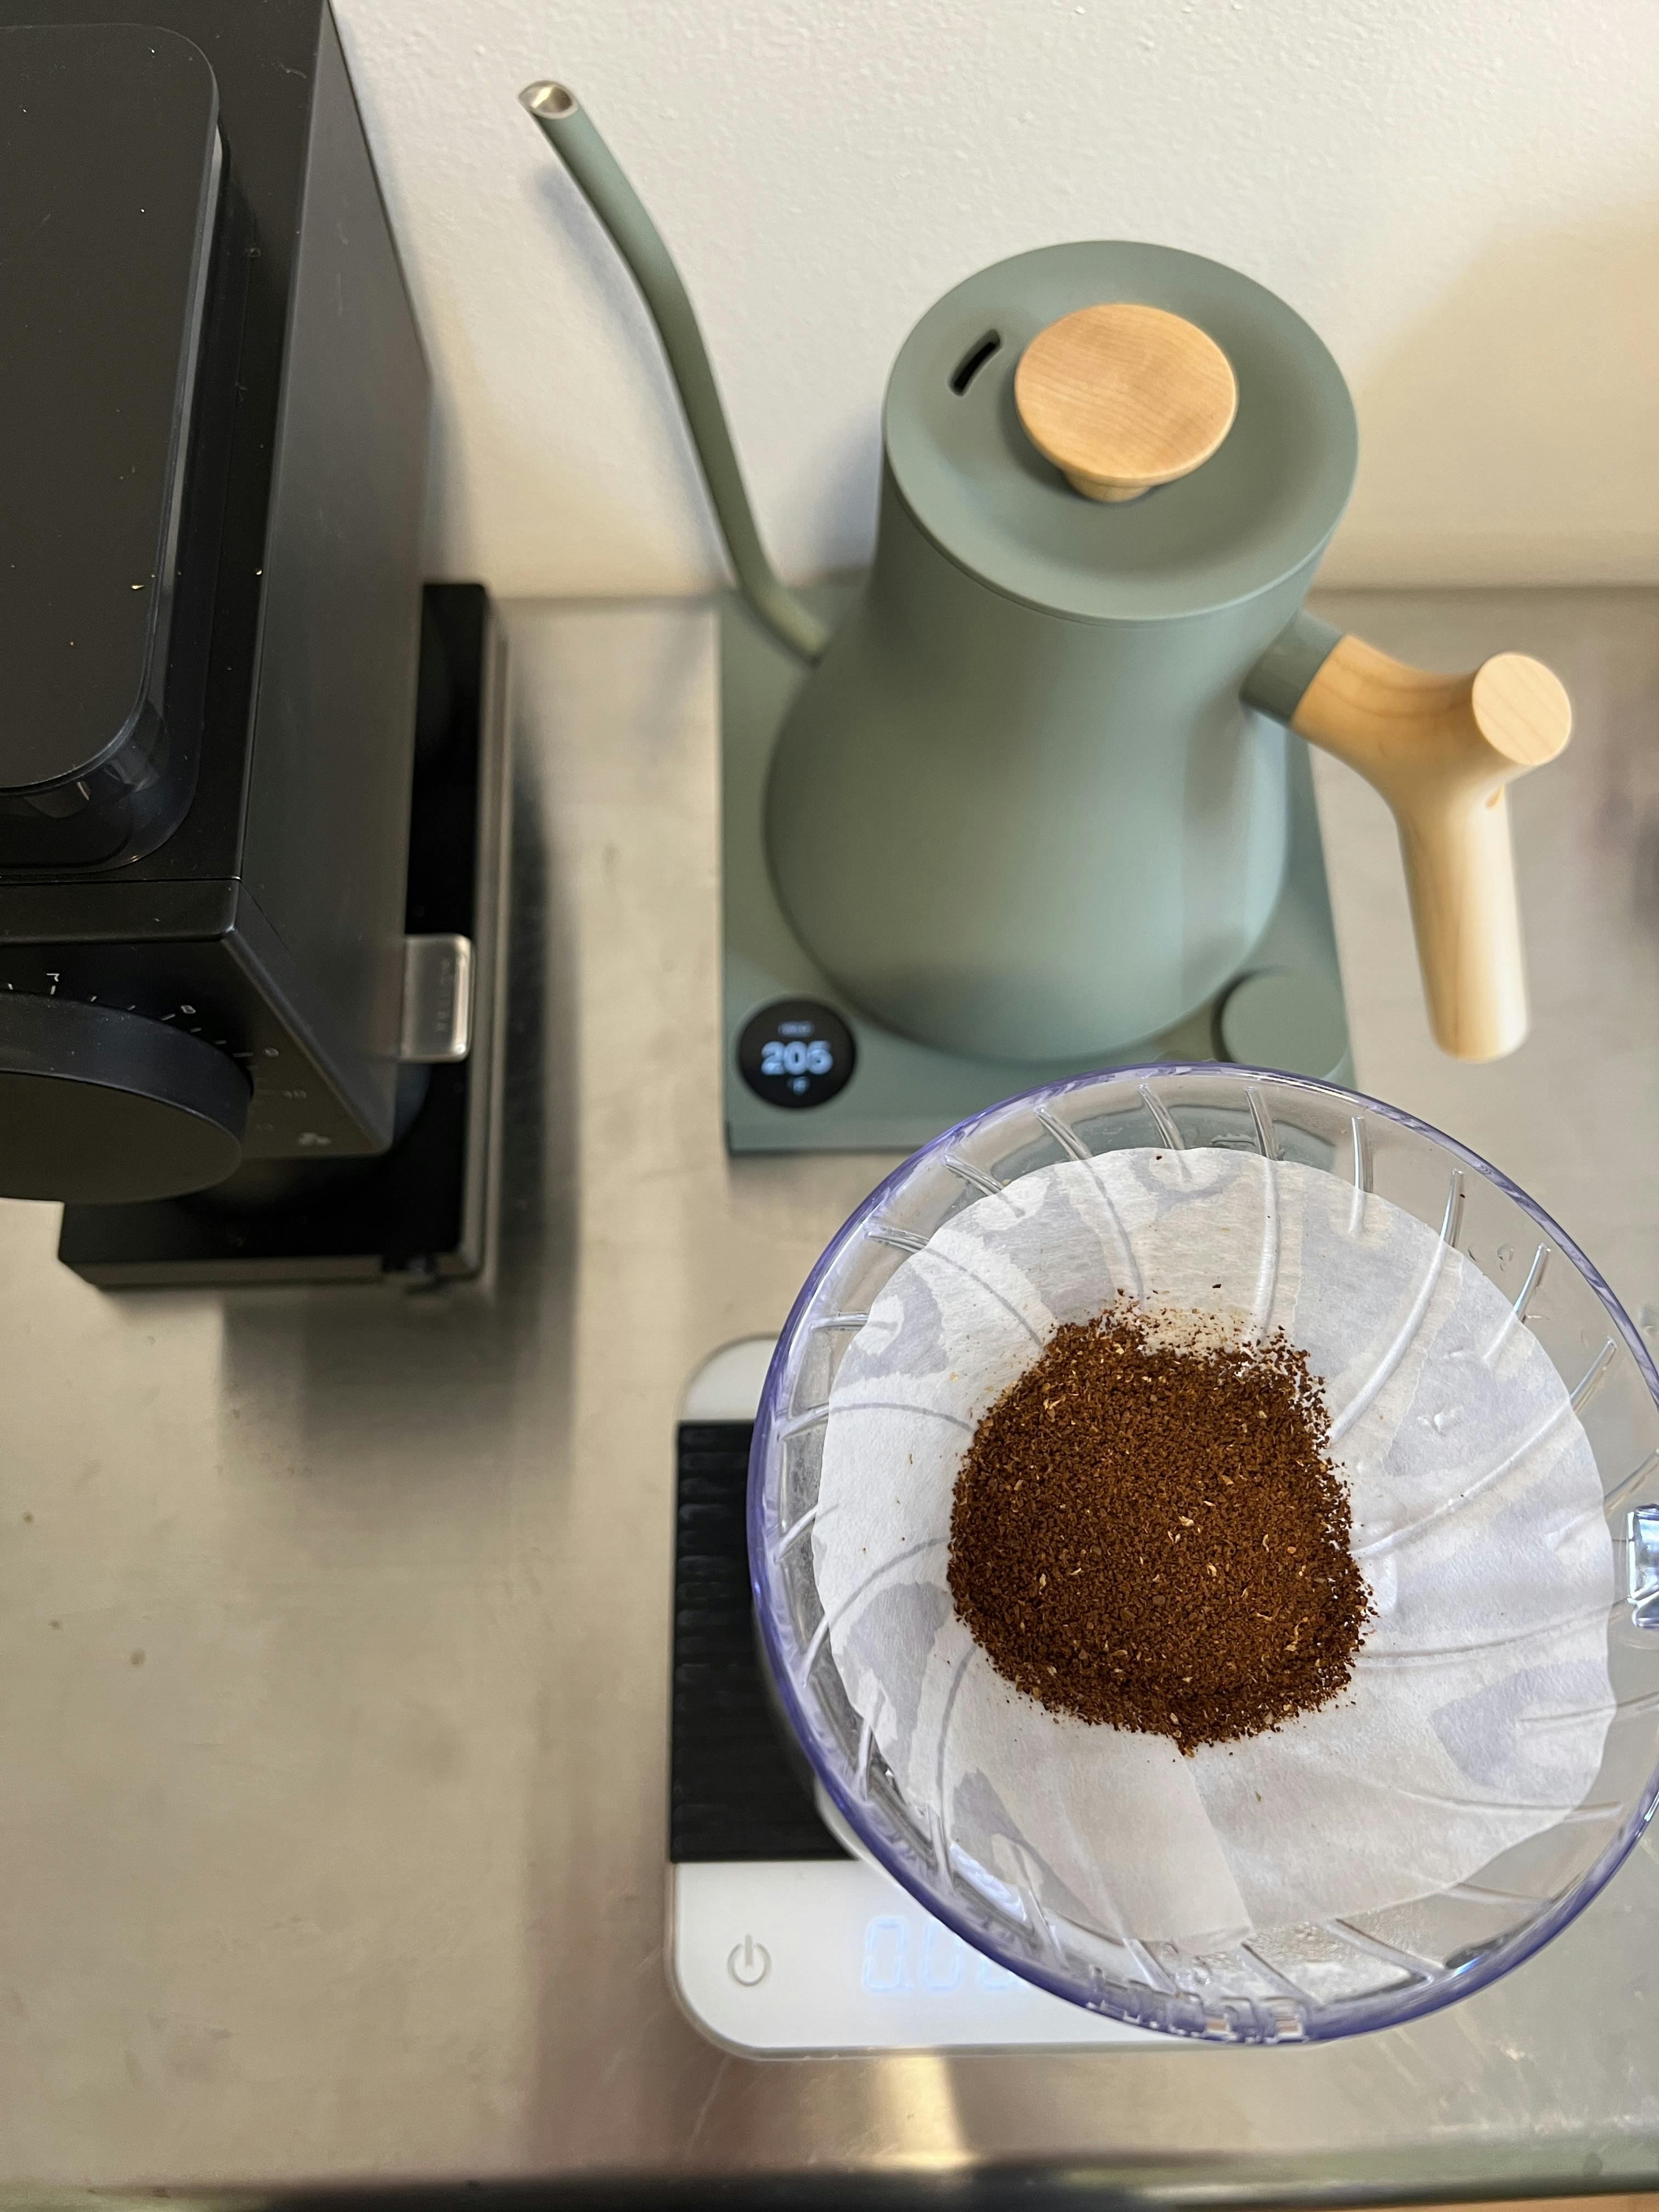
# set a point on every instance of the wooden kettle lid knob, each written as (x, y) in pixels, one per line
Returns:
(1123, 397)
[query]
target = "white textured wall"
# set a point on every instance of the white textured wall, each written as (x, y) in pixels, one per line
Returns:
(1462, 195)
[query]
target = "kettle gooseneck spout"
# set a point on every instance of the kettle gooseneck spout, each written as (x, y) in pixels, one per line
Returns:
(570, 132)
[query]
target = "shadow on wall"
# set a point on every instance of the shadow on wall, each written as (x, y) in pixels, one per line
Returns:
(587, 492)
(471, 428)
(1536, 370)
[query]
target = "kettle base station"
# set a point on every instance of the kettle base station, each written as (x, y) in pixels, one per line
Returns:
(864, 1088)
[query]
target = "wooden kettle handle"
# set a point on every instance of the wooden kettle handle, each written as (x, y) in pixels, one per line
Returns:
(1442, 750)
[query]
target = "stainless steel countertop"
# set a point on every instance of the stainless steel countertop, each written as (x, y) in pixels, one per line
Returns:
(334, 1638)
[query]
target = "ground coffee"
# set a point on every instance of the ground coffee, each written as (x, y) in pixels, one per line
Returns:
(1147, 1531)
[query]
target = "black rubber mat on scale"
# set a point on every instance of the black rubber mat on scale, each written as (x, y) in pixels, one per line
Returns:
(737, 1789)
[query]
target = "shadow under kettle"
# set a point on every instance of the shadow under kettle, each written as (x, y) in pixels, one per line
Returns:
(1030, 803)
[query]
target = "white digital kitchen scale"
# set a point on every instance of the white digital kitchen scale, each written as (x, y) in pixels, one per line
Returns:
(781, 1941)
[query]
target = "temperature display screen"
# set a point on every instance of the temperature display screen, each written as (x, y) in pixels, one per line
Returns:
(796, 1052)
(900, 1957)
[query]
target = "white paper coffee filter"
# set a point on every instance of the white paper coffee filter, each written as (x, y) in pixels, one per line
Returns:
(1480, 1700)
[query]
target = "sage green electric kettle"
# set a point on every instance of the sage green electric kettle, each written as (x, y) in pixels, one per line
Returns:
(1030, 803)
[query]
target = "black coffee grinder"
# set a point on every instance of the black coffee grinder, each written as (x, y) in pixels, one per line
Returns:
(242, 1034)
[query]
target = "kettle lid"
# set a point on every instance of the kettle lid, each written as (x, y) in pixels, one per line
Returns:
(1272, 437)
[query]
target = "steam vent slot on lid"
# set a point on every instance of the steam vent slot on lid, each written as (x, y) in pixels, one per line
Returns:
(974, 360)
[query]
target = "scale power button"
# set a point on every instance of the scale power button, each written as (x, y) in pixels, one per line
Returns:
(749, 1963)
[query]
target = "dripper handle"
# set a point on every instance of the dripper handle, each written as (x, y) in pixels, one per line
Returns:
(1442, 750)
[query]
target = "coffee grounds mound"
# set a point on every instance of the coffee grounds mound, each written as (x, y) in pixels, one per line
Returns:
(1147, 1531)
